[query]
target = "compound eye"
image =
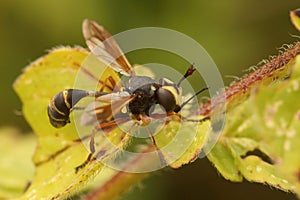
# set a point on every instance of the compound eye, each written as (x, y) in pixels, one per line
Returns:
(166, 99)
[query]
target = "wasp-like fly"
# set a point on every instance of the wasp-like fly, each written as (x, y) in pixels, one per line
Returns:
(138, 95)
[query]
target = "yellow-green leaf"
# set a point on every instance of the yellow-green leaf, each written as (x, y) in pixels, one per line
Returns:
(295, 18)
(181, 143)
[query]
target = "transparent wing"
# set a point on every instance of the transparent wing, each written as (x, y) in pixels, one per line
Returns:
(105, 108)
(102, 44)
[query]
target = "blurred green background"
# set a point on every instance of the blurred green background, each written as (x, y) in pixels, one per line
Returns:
(237, 34)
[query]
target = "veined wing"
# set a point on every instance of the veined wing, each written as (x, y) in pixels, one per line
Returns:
(103, 45)
(105, 108)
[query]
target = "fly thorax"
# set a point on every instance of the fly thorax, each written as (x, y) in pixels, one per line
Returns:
(142, 88)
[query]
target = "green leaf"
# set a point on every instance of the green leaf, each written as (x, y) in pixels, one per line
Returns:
(16, 168)
(294, 15)
(261, 139)
(58, 150)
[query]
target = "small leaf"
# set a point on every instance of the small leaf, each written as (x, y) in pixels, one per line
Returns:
(181, 143)
(295, 18)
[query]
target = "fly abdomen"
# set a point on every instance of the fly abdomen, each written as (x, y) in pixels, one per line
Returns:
(61, 104)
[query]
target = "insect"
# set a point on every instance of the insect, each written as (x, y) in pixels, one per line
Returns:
(138, 95)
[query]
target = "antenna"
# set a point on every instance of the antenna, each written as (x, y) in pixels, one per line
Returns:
(188, 73)
(187, 101)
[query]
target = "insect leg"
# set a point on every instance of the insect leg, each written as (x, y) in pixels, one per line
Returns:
(162, 160)
(186, 119)
(102, 126)
(196, 120)
(90, 156)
